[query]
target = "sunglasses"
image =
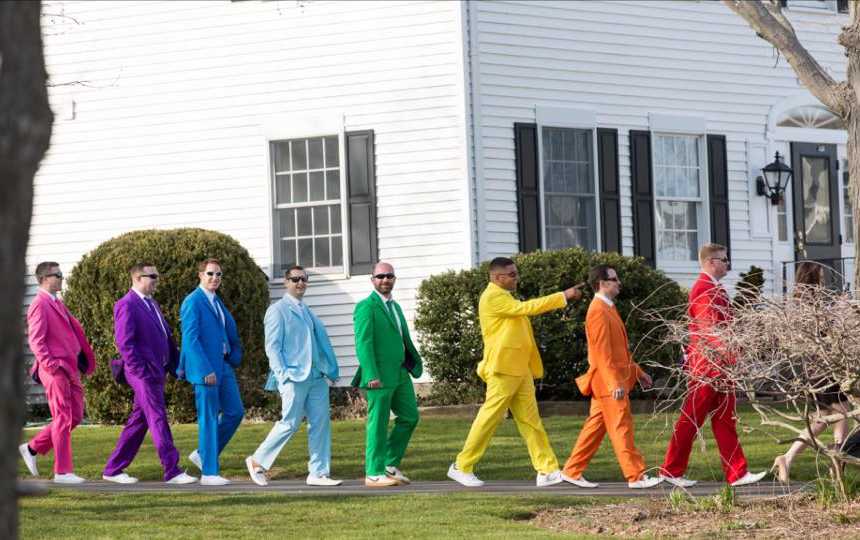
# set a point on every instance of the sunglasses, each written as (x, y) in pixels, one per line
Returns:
(389, 275)
(216, 274)
(721, 259)
(150, 276)
(509, 274)
(296, 279)
(56, 275)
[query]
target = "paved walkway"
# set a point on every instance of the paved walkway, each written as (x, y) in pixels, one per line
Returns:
(356, 487)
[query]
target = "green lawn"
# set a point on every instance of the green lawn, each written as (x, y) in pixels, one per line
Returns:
(435, 443)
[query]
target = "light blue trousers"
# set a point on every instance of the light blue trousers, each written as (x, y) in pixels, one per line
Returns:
(214, 430)
(309, 399)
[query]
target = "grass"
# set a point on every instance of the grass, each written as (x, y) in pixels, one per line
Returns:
(434, 445)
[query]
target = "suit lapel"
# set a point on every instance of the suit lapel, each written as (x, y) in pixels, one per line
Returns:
(381, 305)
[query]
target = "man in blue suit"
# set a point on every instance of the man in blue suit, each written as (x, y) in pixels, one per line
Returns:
(210, 351)
(300, 360)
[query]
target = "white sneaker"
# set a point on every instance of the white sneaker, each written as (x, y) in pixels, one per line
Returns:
(182, 478)
(29, 459)
(679, 481)
(749, 478)
(121, 478)
(256, 473)
(394, 472)
(549, 479)
(194, 457)
(465, 478)
(645, 482)
(213, 480)
(322, 481)
(68, 478)
(579, 482)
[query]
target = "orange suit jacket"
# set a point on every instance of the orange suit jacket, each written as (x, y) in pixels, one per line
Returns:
(610, 364)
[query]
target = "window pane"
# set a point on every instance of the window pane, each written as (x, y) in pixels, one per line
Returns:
(816, 200)
(336, 251)
(300, 187)
(321, 252)
(281, 156)
(287, 222)
(677, 230)
(306, 252)
(332, 184)
(300, 161)
(332, 157)
(315, 153)
(288, 253)
(677, 168)
(320, 220)
(303, 218)
(847, 210)
(282, 189)
(335, 218)
(317, 181)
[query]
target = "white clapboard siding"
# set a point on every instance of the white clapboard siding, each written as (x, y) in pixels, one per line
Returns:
(624, 60)
(162, 109)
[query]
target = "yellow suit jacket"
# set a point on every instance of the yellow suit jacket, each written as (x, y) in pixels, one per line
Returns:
(509, 343)
(610, 364)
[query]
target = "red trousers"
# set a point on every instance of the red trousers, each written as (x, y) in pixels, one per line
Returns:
(66, 403)
(702, 401)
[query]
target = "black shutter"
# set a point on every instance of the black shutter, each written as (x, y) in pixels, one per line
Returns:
(643, 196)
(842, 6)
(361, 190)
(610, 195)
(718, 191)
(528, 192)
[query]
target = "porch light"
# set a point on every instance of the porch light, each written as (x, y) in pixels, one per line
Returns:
(775, 179)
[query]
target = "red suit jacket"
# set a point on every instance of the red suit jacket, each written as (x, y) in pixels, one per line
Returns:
(709, 309)
(56, 337)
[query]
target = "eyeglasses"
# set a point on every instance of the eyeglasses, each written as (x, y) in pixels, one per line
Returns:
(389, 275)
(216, 274)
(610, 279)
(509, 274)
(56, 275)
(150, 276)
(724, 260)
(296, 279)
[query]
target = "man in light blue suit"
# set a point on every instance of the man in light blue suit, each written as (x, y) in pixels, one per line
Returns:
(300, 360)
(210, 351)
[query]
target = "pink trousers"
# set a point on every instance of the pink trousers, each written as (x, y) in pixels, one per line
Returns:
(66, 403)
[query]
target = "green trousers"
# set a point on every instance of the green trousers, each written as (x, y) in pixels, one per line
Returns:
(383, 449)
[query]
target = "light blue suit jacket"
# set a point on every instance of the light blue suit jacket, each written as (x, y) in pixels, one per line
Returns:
(289, 345)
(203, 338)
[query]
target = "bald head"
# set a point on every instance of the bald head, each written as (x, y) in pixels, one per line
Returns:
(383, 278)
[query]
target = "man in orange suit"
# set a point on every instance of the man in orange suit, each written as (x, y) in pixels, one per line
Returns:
(611, 375)
(709, 309)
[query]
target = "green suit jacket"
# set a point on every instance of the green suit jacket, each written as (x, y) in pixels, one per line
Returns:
(379, 346)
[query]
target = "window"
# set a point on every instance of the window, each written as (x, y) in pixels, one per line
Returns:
(308, 203)
(782, 221)
(569, 188)
(678, 196)
(847, 211)
(810, 116)
(826, 5)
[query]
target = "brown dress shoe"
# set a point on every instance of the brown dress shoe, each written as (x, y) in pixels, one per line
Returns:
(380, 481)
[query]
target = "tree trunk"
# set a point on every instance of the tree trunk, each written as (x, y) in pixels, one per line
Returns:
(25, 133)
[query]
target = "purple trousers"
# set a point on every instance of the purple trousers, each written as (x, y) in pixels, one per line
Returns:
(149, 413)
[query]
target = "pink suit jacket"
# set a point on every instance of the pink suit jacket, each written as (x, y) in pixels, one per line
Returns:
(56, 337)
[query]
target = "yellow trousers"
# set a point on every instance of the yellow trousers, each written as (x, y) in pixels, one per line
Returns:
(517, 394)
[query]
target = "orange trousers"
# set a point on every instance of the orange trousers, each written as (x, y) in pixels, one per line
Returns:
(613, 417)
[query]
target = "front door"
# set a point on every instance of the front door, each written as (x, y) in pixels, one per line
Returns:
(816, 207)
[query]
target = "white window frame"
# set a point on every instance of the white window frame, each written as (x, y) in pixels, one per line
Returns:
(703, 216)
(845, 206)
(567, 118)
(826, 6)
(280, 129)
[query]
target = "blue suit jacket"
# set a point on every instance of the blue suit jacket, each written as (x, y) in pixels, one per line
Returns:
(203, 338)
(289, 345)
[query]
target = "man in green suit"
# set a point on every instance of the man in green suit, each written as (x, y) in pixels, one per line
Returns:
(387, 360)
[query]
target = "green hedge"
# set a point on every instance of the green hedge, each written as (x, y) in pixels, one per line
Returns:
(450, 334)
(101, 278)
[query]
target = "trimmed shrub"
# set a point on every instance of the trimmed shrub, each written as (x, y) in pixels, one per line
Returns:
(450, 334)
(749, 288)
(101, 278)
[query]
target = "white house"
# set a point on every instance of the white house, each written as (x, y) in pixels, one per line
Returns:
(436, 134)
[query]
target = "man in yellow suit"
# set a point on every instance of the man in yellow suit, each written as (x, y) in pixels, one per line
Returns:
(511, 362)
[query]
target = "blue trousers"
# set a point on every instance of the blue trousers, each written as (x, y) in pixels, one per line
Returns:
(214, 431)
(309, 398)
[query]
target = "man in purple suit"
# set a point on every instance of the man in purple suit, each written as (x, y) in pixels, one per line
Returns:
(148, 352)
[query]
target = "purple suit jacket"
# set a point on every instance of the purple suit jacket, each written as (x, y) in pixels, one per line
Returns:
(144, 339)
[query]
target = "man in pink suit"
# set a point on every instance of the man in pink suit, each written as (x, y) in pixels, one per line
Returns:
(62, 354)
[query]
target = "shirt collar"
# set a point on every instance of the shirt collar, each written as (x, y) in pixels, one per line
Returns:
(384, 299)
(210, 295)
(608, 302)
(50, 295)
(140, 294)
(292, 299)
(714, 280)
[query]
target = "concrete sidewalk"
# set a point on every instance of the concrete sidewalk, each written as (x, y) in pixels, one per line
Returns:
(356, 487)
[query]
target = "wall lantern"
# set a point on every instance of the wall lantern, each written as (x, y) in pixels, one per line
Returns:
(775, 179)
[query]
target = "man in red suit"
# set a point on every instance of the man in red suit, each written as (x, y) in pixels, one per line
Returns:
(708, 309)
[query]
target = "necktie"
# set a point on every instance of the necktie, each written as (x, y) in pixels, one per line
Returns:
(393, 313)
(153, 312)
